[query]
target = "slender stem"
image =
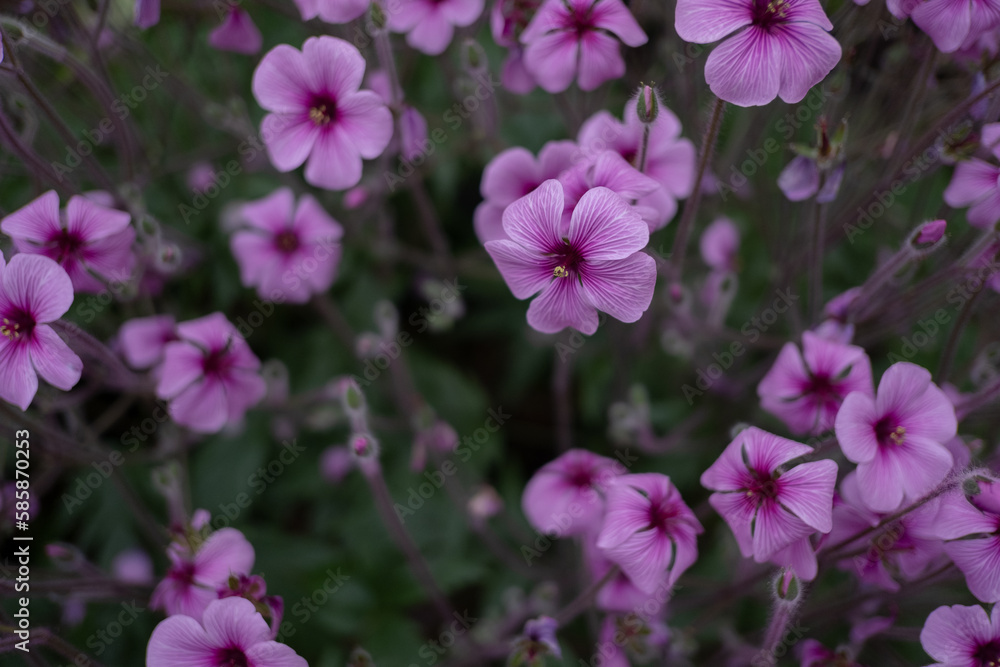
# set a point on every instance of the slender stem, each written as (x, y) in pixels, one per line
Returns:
(816, 266)
(691, 208)
(951, 346)
(979, 399)
(41, 168)
(583, 601)
(429, 219)
(561, 375)
(335, 320)
(915, 102)
(644, 149)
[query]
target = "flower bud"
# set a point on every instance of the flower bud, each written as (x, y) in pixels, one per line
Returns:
(364, 446)
(786, 587)
(930, 233)
(648, 106)
(360, 658)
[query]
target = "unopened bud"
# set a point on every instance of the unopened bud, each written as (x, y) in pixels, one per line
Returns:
(648, 106)
(786, 586)
(360, 658)
(364, 446)
(930, 233)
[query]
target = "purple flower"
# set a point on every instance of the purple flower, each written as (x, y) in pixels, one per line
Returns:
(209, 376)
(332, 11)
(719, 244)
(777, 47)
(193, 579)
(800, 178)
(570, 39)
(143, 340)
(147, 13)
(970, 526)
(34, 291)
(897, 438)
(87, 239)
(952, 23)
(772, 510)
(592, 264)
(237, 33)
(507, 21)
(976, 183)
(574, 480)
(232, 633)
(649, 530)
(620, 594)
(318, 113)
(133, 566)
(960, 636)
(538, 640)
(806, 388)
(610, 170)
(430, 24)
(287, 250)
(513, 174)
(669, 157)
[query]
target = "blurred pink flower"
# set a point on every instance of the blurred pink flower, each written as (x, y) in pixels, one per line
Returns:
(648, 530)
(318, 112)
(719, 245)
(610, 170)
(775, 47)
(133, 566)
(805, 388)
(565, 496)
(430, 24)
(773, 510)
(951, 23)
(209, 375)
(976, 183)
(332, 11)
(960, 636)
(575, 39)
(238, 33)
(232, 633)
(86, 239)
(147, 13)
(34, 291)
(897, 437)
(594, 263)
(143, 340)
(508, 19)
(970, 526)
(287, 251)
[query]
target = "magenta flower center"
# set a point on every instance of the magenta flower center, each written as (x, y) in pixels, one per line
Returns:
(568, 260)
(581, 478)
(762, 487)
(322, 111)
(660, 515)
(988, 655)
(231, 657)
(889, 433)
(217, 363)
(768, 13)
(17, 324)
(286, 242)
(66, 244)
(580, 22)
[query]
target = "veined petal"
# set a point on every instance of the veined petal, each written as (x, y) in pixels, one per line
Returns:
(746, 68)
(37, 221)
(561, 305)
(807, 490)
(621, 288)
(605, 227)
(525, 274)
(52, 358)
(706, 21)
(808, 53)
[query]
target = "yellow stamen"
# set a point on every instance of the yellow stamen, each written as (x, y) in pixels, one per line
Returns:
(318, 115)
(897, 435)
(560, 272)
(9, 330)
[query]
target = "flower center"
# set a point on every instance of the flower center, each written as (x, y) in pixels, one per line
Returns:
(660, 516)
(66, 244)
(767, 13)
(762, 487)
(579, 21)
(889, 433)
(568, 260)
(322, 111)
(230, 657)
(217, 363)
(581, 478)
(287, 242)
(988, 655)
(16, 325)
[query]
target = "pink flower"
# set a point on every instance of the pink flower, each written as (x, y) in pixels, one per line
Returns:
(133, 566)
(147, 13)
(648, 530)
(193, 580)
(332, 11)
(237, 33)
(976, 183)
(570, 39)
(806, 388)
(719, 245)
(777, 47)
(86, 239)
(317, 111)
(593, 263)
(960, 636)
(513, 174)
(34, 291)
(413, 134)
(565, 496)
(209, 376)
(951, 23)
(430, 24)
(287, 250)
(897, 438)
(669, 157)
(800, 179)
(508, 19)
(620, 594)
(232, 633)
(610, 170)
(772, 510)
(970, 526)
(143, 340)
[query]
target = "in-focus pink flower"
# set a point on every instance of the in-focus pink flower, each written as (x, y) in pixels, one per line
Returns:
(91, 242)
(209, 375)
(897, 438)
(970, 526)
(611, 171)
(147, 13)
(513, 174)
(592, 264)
(648, 530)
(231, 633)
(193, 580)
(903, 550)
(777, 47)
(976, 183)
(143, 340)
(960, 636)
(287, 250)
(565, 496)
(238, 33)
(773, 510)
(952, 23)
(805, 388)
(318, 112)
(332, 11)
(719, 245)
(670, 159)
(575, 39)
(430, 24)
(34, 291)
